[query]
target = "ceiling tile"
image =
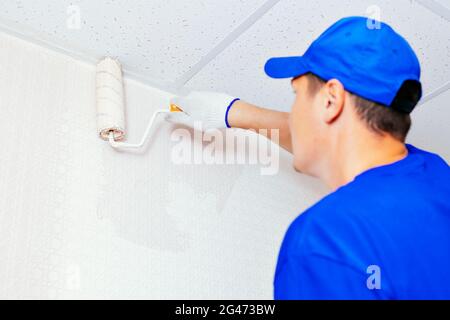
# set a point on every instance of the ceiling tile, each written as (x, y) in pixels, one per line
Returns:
(159, 39)
(292, 25)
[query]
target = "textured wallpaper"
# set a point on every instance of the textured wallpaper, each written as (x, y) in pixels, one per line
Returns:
(80, 220)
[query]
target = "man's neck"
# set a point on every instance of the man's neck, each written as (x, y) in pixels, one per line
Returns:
(358, 155)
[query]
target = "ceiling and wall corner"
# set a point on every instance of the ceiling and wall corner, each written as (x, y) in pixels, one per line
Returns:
(159, 42)
(220, 45)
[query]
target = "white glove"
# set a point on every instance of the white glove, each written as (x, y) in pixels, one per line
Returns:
(210, 109)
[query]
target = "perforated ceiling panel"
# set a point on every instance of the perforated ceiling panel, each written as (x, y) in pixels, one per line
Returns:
(291, 26)
(220, 45)
(158, 39)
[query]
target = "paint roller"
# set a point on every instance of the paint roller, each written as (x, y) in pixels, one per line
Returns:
(111, 106)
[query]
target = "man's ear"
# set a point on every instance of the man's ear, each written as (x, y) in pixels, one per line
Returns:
(335, 100)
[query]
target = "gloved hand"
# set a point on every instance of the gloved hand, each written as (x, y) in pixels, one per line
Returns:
(209, 108)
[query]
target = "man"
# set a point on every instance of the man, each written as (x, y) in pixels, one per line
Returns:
(384, 233)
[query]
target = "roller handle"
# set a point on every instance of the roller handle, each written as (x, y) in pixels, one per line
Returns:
(175, 108)
(127, 146)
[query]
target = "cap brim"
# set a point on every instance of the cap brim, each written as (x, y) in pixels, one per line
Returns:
(287, 67)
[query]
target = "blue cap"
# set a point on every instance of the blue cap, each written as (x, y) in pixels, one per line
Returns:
(373, 63)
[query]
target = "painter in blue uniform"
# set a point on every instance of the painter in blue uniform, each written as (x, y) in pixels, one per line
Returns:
(385, 234)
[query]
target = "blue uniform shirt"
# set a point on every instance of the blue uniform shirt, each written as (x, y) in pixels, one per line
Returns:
(386, 235)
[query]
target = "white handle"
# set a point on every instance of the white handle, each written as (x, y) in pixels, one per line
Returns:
(128, 146)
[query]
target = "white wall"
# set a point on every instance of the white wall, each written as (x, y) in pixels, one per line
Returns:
(80, 220)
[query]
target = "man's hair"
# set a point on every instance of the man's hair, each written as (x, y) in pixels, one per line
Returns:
(378, 118)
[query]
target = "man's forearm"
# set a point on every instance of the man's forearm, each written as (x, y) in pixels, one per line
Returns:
(247, 116)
